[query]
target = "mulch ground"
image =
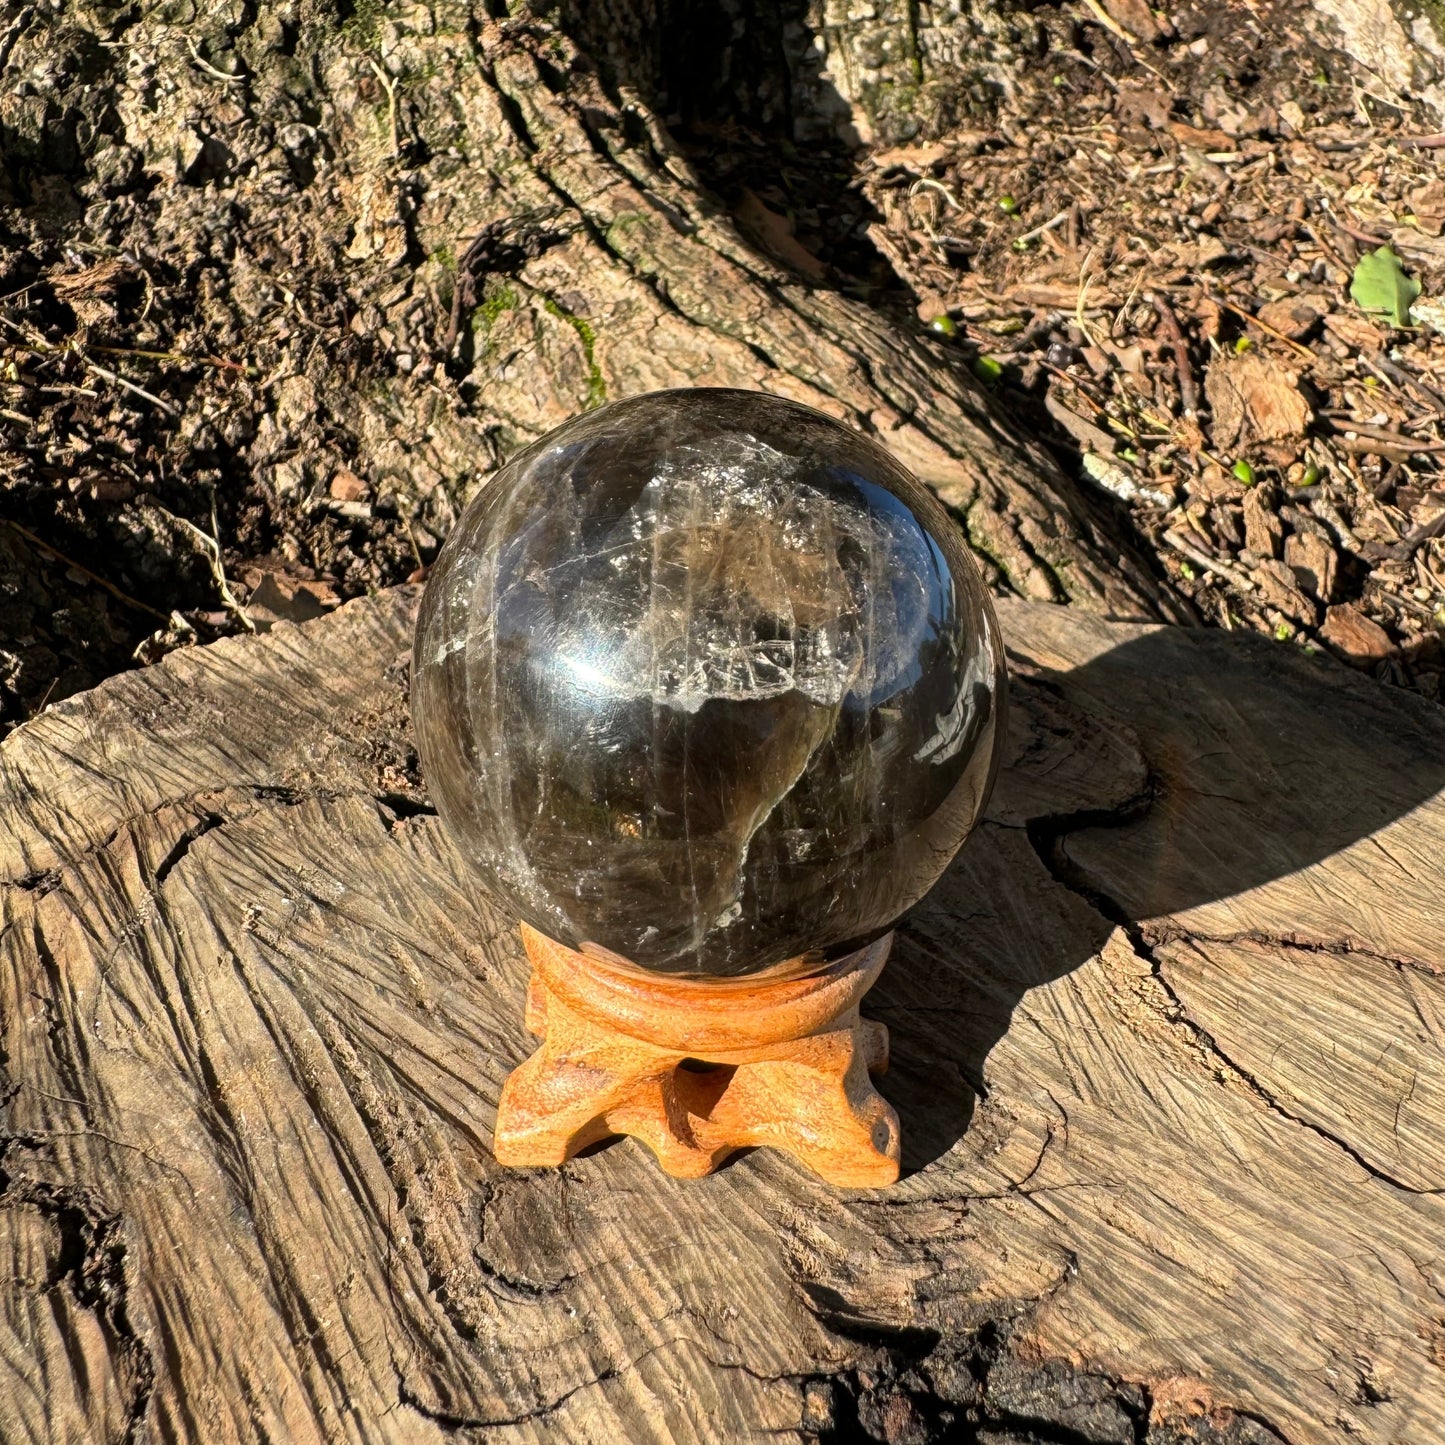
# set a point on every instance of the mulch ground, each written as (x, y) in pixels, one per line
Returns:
(1145, 246)
(1151, 254)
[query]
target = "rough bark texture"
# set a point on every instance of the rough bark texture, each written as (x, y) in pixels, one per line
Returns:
(905, 68)
(432, 235)
(1167, 1052)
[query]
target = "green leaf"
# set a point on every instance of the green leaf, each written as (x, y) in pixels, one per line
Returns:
(1244, 472)
(1381, 285)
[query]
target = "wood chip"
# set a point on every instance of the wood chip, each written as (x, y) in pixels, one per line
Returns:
(1353, 635)
(1291, 318)
(1262, 529)
(1278, 587)
(1254, 399)
(1356, 332)
(1313, 562)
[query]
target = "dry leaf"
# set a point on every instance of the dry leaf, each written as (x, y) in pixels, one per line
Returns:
(920, 159)
(1143, 107)
(1253, 399)
(1137, 18)
(281, 598)
(346, 486)
(774, 233)
(1428, 204)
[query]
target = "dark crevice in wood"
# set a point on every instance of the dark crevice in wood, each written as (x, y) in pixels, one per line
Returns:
(43, 882)
(182, 845)
(451, 1421)
(1159, 933)
(68, 1067)
(91, 1264)
(402, 806)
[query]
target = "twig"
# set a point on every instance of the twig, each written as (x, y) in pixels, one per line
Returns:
(1330, 252)
(1039, 230)
(1188, 392)
(1329, 514)
(1109, 23)
(150, 396)
(389, 86)
(1422, 142)
(1263, 325)
(1406, 604)
(1231, 574)
(1408, 545)
(1357, 235)
(1385, 368)
(1383, 434)
(133, 351)
(212, 547)
(926, 183)
(211, 69)
(1370, 447)
(168, 356)
(84, 571)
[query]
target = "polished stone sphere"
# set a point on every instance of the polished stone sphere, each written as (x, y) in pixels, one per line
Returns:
(708, 681)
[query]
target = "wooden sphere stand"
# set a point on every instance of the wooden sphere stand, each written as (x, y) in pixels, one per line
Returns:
(698, 1070)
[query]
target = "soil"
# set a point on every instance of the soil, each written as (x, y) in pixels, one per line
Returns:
(226, 402)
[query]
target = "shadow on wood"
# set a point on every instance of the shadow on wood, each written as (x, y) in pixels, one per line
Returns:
(1196, 767)
(1166, 1047)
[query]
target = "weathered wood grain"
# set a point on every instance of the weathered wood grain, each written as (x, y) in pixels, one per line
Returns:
(1166, 1049)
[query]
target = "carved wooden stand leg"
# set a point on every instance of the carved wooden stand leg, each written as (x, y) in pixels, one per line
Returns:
(697, 1070)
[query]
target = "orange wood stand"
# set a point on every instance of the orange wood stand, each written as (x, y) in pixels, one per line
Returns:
(699, 1070)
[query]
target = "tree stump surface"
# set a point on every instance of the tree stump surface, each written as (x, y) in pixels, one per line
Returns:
(1167, 1049)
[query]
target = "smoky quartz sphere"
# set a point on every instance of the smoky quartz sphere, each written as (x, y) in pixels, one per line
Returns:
(708, 681)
